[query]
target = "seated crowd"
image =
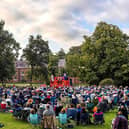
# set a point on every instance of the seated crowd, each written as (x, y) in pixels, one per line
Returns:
(83, 105)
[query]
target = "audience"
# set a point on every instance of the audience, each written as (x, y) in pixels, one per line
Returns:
(74, 103)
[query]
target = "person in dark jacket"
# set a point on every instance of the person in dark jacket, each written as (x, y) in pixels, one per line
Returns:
(71, 112)
(124, 111)
(74, 100)
(84, 117)
(120, 121)
(79, 109)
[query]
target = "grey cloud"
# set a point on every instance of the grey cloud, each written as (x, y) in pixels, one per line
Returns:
(59, 20)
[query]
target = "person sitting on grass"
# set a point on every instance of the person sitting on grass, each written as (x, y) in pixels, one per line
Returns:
(84, 117)
(79, 109)
(33, 117)
(74, 99)
(58, 108)
(71, 112)
(126, 100)
(124, 111)
(98, 117)
(120, 121)
(30, 102)
(90, 106)
(103, 105)
(63, 117)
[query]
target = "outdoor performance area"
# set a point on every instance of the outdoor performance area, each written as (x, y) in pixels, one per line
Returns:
(64, 64)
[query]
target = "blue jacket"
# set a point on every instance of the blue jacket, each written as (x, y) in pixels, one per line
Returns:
(72, 112)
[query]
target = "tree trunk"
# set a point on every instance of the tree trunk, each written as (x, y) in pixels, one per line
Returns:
(31, 76)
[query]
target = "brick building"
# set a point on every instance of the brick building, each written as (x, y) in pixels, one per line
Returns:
(22, 69)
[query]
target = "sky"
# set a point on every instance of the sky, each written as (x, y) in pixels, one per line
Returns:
(62, 22)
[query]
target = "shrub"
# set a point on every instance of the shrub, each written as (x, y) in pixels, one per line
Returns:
(106, 81)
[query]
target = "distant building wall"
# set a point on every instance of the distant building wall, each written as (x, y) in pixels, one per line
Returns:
(22, 69)
(21, 74)
(61, 63)
(75, 80)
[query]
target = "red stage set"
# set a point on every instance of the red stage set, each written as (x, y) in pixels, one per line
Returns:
(58, 82)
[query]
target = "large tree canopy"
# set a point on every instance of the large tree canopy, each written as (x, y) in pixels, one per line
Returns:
(104, 54)
(8, 53)
(37, 55)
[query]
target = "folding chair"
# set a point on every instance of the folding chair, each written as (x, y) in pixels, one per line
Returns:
(98, 119)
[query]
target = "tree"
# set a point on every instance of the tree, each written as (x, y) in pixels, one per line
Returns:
(106, 54)
(73, 61)
(8, 54)
(37, 55)
(106, 81)
(74, 50)
(61, 54)
(53, 64)
(72, 65)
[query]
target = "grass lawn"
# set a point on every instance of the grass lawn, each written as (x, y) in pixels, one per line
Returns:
(22, 84)
(11, 123)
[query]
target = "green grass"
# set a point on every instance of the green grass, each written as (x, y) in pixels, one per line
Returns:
(21, 84)
(11, 123)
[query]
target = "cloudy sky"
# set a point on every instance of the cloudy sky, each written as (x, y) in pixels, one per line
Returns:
(61, 22)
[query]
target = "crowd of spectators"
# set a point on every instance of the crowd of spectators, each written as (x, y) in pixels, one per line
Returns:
(83, 105)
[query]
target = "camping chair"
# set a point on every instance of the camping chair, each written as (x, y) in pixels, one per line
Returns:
(64, 122)
(40, 111)
(98, 119)
(17, 113)
(3, 107)
(49, 122)
(34, 119)
(25, 114)
(9, 104)
(84, 118)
